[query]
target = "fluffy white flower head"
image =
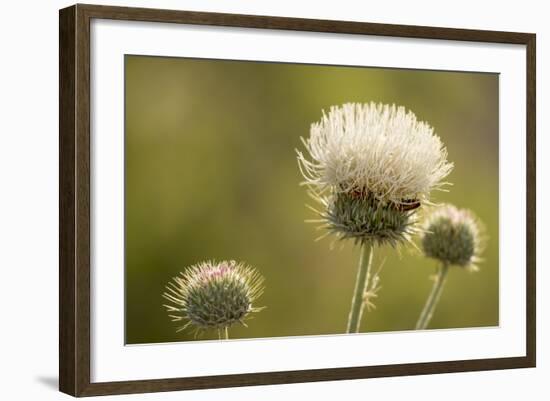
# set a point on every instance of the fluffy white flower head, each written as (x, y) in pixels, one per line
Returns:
(380, 149)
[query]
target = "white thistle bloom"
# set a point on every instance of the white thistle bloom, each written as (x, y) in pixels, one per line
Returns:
(371, 166)
(377, 148)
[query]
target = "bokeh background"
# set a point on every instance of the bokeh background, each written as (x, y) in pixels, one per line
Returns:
(211, 173)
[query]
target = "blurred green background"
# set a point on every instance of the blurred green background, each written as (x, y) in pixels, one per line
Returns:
(211, 173)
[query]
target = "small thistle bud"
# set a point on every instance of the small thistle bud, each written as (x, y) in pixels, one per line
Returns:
(452, 236)
(371, 166)
(213, 295)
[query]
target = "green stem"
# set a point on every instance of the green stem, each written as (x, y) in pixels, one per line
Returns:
(361, 285)
(223, 334)
(433, 299)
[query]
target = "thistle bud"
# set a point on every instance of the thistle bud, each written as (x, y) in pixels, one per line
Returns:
(452, 236)
(213, 295)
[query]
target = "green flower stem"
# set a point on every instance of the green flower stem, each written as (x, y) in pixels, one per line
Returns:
(361, 285)
(223, 334)
(433, 299)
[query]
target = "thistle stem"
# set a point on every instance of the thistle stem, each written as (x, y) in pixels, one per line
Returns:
(433, 299)
(361, 285)
(223, 334)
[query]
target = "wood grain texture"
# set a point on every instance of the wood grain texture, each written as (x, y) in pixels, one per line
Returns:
(74, 206)
(67, 99)
(531, 229)
(74, 199)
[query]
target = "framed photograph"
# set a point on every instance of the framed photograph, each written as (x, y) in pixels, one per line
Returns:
(250, 200)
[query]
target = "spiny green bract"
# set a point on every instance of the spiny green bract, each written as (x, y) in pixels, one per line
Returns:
(364, 218)
(214, 295)
(450, 243)
(453, 236)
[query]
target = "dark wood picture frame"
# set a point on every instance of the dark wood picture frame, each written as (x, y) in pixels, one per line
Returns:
(74, 199)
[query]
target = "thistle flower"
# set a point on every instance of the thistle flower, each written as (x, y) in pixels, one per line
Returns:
(370, 166)
(213, 295)
(453, 237)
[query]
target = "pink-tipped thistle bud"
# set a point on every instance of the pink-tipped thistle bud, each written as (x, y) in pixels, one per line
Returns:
(213, 295)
